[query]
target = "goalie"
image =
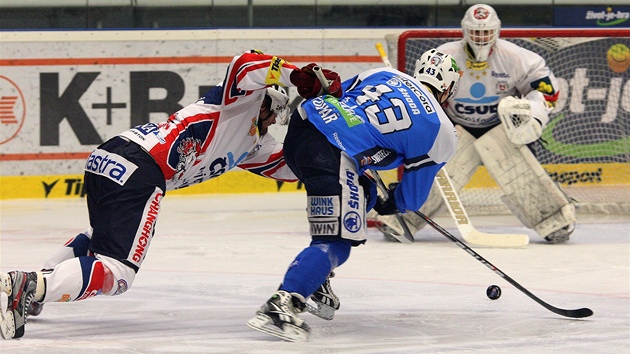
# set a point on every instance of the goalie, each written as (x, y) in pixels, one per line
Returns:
(505, 95)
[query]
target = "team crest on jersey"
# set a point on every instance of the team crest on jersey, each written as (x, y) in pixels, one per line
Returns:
(187, 151)
(502, 86)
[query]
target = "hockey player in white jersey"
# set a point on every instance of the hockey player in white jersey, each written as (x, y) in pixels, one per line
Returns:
(385, 119)
(506, 94)
(127, 176)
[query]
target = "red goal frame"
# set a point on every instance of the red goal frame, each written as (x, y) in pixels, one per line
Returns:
(507, 33)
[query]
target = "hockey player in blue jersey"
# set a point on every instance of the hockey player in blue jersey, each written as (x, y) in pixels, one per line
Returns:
(385, 119)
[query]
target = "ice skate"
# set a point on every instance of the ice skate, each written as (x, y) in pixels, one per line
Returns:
(35, 308)
(325, 300)
(20, 288)
(560, 236)
(278, 317)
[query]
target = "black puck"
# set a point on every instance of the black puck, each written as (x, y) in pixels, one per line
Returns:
(493, 292)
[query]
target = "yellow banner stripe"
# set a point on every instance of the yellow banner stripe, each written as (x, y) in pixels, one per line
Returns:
(239, 181)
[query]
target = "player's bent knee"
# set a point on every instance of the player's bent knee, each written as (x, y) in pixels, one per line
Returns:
(117, 276)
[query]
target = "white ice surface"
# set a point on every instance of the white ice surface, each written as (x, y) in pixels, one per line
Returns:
(215, 259)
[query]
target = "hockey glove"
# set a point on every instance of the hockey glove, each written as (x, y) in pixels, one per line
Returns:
(370, 191)
(309, 86)
(519, 122)
(387, 206)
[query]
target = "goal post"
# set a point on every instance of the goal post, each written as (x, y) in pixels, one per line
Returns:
(586, 145)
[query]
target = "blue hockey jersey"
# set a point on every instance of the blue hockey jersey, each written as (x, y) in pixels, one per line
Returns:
(386, 119)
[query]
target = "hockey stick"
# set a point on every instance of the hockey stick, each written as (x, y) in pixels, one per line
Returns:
(455, 207)
(577, 313)
(383, 54)
(469, 233)
(407, 237)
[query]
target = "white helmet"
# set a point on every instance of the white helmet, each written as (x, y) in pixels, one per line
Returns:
(438, 70)
(481, 27)
(279, 102)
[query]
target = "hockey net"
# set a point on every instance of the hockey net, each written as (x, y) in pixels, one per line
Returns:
(586, 145)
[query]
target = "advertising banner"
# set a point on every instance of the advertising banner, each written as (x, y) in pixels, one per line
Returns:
(591, 16)
(64, 93)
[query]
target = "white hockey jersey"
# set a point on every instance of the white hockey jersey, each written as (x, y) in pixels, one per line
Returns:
(219, 132)
(509, 71)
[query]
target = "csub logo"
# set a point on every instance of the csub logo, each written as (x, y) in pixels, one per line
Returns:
(12, 109)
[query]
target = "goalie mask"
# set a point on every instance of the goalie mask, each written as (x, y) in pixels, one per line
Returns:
(438, 70)
(481, 27)
(278, 100)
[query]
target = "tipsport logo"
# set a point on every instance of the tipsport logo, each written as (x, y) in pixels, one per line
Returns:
(69, 187)
(12, 109)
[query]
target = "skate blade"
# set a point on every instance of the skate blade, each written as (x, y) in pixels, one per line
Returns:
(290, 333)
(322, 311)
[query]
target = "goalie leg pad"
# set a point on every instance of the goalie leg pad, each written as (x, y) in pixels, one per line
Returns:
(460, 169)
(530, 193)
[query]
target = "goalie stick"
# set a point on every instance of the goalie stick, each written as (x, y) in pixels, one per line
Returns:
(407, 237)
(465, 227)
(456, 209)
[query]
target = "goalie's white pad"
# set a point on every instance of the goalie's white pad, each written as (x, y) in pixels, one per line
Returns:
(530, 193)
(517, 119)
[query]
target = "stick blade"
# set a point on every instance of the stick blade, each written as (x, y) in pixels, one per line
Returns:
(577, 313)
(478, 238)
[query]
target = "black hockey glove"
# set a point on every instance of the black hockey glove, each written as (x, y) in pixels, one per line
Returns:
(370, 191)
(388, 206)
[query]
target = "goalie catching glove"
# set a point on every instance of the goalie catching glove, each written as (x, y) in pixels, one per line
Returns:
(522, 118)
(308, 85)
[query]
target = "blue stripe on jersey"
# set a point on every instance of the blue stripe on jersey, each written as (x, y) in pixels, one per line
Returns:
(264, 168)
(214, 95)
